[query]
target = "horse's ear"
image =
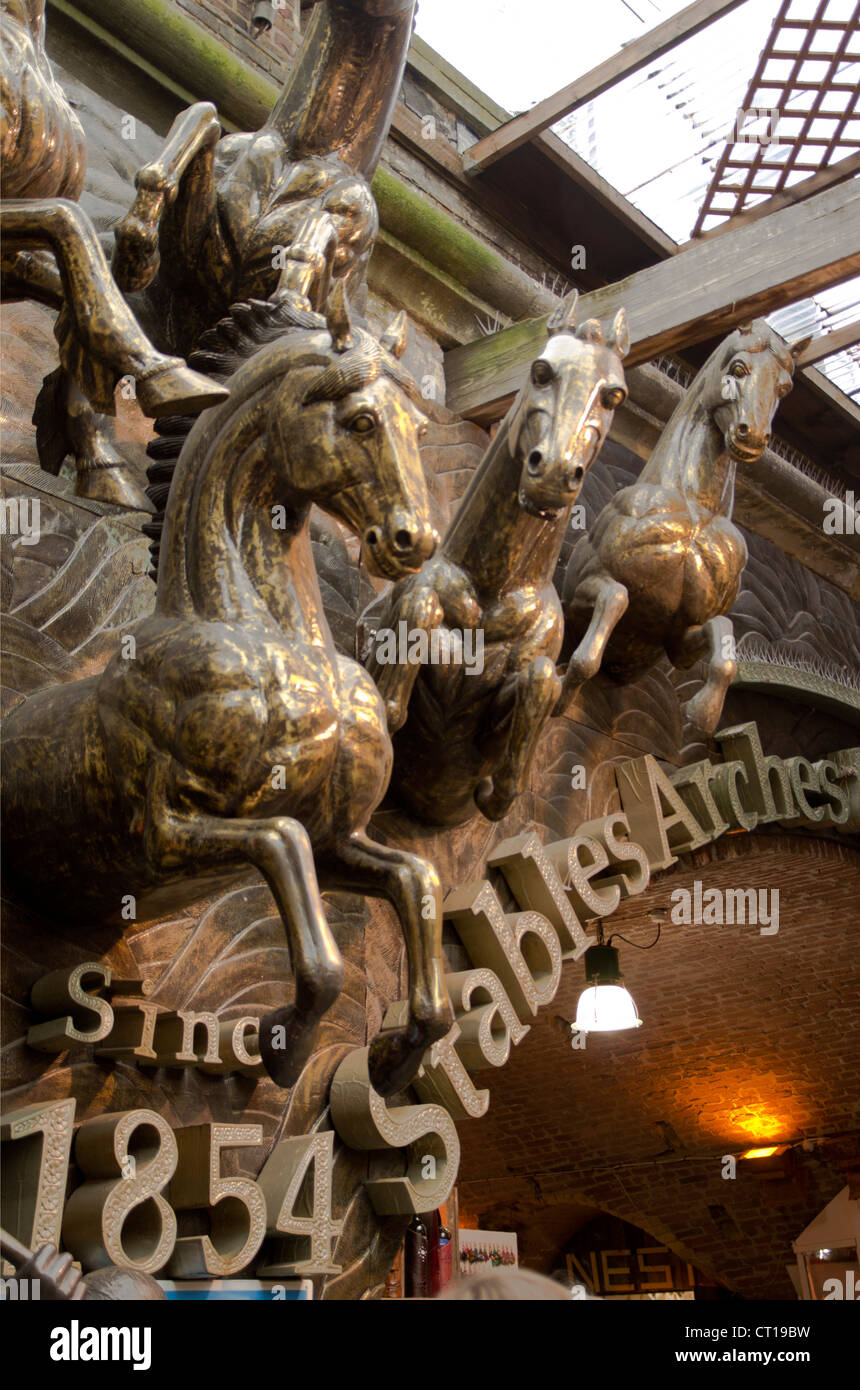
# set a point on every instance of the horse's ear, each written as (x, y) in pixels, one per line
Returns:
(799, 348)
(592, 332)
(395, 336)
(619, 337)
(563, 319)
(337, 318)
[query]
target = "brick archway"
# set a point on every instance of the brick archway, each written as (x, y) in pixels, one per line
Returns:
(746, 1038)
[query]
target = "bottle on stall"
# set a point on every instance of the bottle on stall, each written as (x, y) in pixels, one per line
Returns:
(444, 1255)
(416, 1260)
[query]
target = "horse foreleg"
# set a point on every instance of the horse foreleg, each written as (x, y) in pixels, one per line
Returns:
(136, 254)
(309, 260)
(281, 850)
(65, 421)
(609, 600)
(535, 692)
(396, 679)
(99, 336)
(714, 640)
(412, 886)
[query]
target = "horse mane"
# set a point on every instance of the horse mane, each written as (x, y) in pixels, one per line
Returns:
(222, 350)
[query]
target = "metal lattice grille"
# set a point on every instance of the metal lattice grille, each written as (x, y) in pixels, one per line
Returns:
(799, 114)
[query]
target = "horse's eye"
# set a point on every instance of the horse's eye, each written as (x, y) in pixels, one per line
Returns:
(739, 369)
(363, 423)
(542, 373)
(613, 397)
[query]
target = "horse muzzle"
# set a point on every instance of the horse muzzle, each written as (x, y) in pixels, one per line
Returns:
(546, 489)
(399, 548)
(746, 445)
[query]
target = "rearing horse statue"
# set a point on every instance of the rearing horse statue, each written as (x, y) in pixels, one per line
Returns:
(51, 254)
(469, 737)
(661, 566)
(210, 213)
(234, 733)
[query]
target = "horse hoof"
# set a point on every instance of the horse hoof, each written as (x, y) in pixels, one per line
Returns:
(492, 801)
(567, 698)
(171, 388)
(286, 1043)
(395, 1057)
(701, 715)
(110, 482)
(136, 257)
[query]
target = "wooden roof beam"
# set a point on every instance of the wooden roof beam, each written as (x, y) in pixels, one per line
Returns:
(700, 293)
(633, 57)
(828, 343)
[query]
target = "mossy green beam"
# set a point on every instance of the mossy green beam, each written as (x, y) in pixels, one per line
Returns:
(186, 53)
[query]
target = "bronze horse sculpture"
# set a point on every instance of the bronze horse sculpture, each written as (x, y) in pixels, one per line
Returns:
(661, 566)
(469, 738)
(51, 254)
(211, 212)
(234, 733)
(220, 220)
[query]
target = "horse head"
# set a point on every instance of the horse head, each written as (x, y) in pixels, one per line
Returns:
(743, 383)
(564, 411)
(353, 445)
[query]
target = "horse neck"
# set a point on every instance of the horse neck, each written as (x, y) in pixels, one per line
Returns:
(691, 457)
(222, 558)
(492, 537)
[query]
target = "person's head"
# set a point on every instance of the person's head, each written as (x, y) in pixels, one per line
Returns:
(514, 1285)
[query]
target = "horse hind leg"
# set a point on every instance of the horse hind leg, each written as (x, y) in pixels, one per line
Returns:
(67, 424)
(190, 143)
(714, 640)
(609, 600)
(280, 848)
(411, 885)
(414, 609)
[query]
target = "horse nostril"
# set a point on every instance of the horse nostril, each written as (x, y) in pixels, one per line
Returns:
(743, 430)
(403, 541)
(535, 460)
(372, 536)
(577, 473)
